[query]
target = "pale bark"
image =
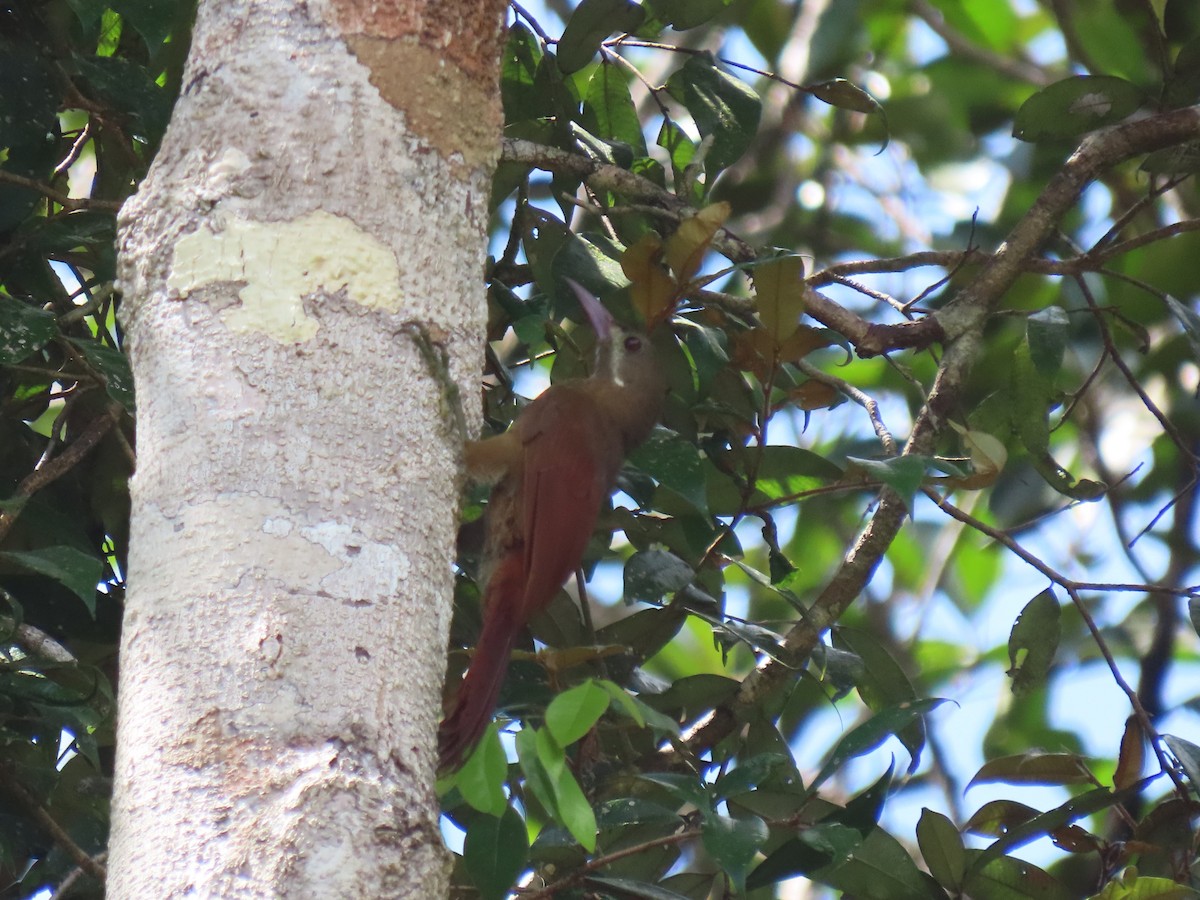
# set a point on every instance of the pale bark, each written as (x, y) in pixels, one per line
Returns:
(324, 182)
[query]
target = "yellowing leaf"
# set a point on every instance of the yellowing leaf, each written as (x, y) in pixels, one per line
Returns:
(779, 295)
(814, 395)
(988, 456)
(753, 351)
(800, 343)
(653, 290)
(687, 246)
(1132, 757)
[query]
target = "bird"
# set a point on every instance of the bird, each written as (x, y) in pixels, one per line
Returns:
(552, 471)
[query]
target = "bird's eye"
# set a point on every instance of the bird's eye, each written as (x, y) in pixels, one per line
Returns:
(633, 344)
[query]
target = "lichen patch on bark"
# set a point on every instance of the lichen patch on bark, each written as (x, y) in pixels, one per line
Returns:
(281, 263)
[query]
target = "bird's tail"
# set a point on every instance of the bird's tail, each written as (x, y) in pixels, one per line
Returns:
(480, 688)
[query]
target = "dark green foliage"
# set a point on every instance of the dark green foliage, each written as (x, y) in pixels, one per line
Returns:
(79, 87)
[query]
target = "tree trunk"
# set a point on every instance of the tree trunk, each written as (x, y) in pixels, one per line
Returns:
(323, 185)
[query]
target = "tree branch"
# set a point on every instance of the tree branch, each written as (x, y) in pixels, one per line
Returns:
(71, 204)
(55, 468)
(56, 831)
(968, 313)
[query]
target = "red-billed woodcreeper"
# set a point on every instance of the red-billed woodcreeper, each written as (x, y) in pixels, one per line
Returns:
(553, 470)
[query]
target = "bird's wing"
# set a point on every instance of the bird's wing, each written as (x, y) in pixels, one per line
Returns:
(571, 458)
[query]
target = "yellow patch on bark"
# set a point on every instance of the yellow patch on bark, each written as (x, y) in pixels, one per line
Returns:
(280, 263)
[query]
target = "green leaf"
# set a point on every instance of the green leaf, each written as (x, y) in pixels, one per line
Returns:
(77, 571)
(572, 713)
(871, 733)
(1033, 642)
(684, 788)
(942, 849)
(1131, 886)
(537, 779)
(845, 95)
(903, 474)
(1075, 105)
(495, 851)
(626, 811)
(1188, 755)
(684, 14)
(590, 23)
(678, 145)
(1045, 823)
(113, 366)
(862, 812)
(481, 778)
(881, 682)
(518, 75)
(627, 704)
(880, 869)
(1183, 159)
(997, 818)
(23, 329)
(29, 94)
(154, 20)
(130, 88)
(721, 106)
(823, 844)
(660, 724)
(749, 774)
(570, 805)
(608, 108)
(651, 574)
(733, 844)
(674, 463)
(88, 11)
(1006, 878)
(785, 471)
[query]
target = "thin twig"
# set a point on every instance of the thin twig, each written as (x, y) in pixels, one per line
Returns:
(69, 203)
(1073, 589)
(53, 469)
(600, 862)
(56, 831)
(866, 401)
(68, 883)
(1018, 69)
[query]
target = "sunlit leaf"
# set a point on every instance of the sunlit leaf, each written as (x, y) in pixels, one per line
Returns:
(572, 713)
(481, 778)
